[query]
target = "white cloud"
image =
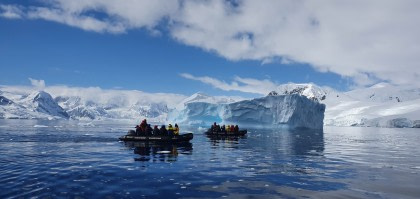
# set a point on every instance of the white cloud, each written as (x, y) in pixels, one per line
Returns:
(247, 85)
(73, 19)
(115, 16)
(38, 84)
(11, 11)
(350, 38)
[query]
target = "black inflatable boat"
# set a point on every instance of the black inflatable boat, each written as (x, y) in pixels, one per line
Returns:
(162, 138)
(224, 133)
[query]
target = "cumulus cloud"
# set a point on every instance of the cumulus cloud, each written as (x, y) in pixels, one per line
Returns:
(370, 41)
(247, 85)
(352, 38)
(38, 84)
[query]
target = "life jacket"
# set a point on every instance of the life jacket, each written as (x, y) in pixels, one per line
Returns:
(176, 131)
(170, 128)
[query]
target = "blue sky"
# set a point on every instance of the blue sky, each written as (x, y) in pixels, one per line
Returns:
(124, 51)
(137, 60)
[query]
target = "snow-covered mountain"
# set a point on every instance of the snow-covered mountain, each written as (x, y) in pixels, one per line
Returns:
(28, 104)
(202, 97)
(36, 105)
(382, 105)
(81, 109)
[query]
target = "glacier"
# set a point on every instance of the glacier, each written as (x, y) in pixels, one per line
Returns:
(292, 111)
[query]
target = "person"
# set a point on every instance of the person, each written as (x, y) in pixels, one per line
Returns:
(213, 127)
(176, 129)
(227, 128)
(223, 129)
(163, 130)
(138, 130)
(236, 128)
(149, 130)
(170, 130)
(218, 128)
(156, 131)
(143, 125)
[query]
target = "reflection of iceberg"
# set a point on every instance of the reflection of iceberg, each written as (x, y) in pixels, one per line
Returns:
(287, 142)
(293, 111)
(307, 142)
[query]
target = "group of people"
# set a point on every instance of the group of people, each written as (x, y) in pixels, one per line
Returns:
(224, 128)
(145, 129)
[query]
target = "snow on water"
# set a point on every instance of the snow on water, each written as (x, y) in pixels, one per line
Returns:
(283, 110)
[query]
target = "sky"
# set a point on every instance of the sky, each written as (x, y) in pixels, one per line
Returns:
(218, 47)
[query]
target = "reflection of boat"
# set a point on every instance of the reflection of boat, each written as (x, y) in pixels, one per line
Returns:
(161, 151)
(225, 138)
(224, 133)
(167, 139)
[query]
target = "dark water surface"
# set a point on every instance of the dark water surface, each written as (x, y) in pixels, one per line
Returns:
(50, 159)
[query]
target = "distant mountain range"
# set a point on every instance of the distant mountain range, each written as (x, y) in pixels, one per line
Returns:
(382, 105)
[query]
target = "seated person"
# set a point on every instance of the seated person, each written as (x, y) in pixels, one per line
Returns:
(138, 131)
(170, 130)
(236, 128)
(163, 130)
(156, 131)
(176, 129)
(149, 130)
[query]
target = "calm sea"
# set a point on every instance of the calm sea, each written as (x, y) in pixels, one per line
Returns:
(67, 159)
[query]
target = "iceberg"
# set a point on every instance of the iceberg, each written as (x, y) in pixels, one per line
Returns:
(293, 111)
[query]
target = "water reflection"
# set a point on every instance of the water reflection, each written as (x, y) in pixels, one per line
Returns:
(307, 142)
(164, 152)
(279, 157)
(228, 141)
(299, 142)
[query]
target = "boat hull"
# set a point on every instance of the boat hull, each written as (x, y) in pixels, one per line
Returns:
(167, 139)
(239, 133)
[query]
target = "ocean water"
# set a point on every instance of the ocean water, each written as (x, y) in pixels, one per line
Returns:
(65, 159)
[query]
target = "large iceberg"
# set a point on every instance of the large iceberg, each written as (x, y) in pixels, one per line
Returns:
(294, 111)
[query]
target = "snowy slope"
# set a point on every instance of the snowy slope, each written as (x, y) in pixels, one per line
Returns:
(116, 107)
(382, 105)
(311, 91)
(36, 105)
(282, 110)
(202, 97)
